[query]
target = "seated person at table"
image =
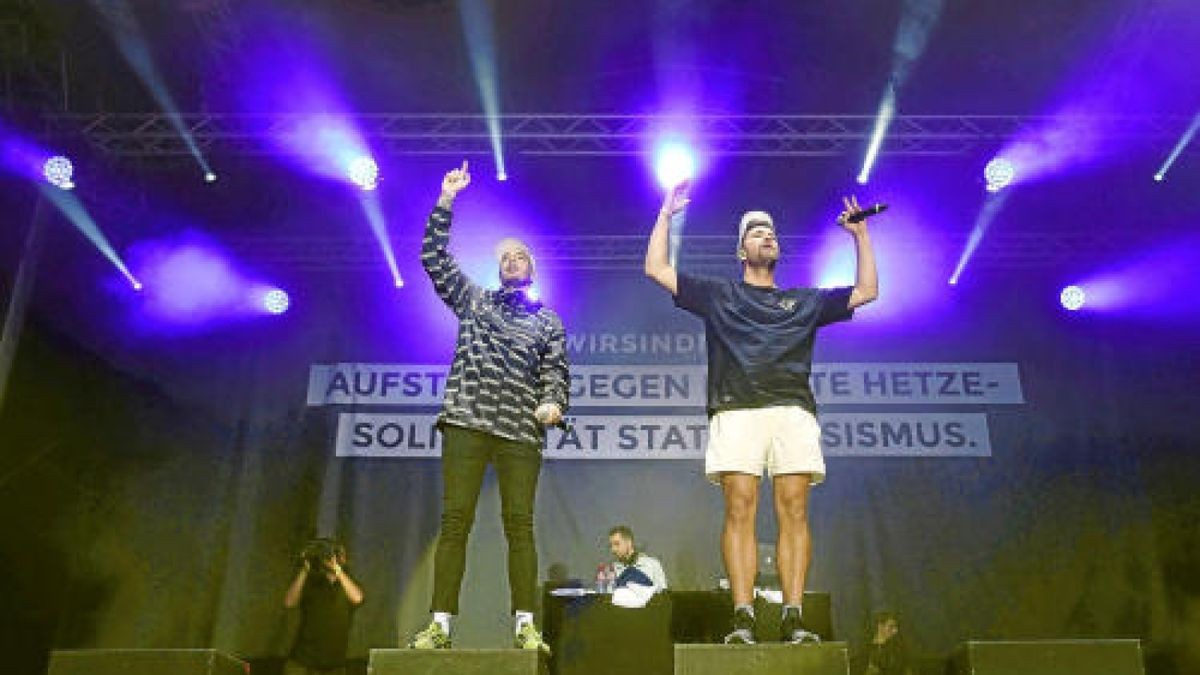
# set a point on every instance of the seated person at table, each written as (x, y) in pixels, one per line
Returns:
(638, 576)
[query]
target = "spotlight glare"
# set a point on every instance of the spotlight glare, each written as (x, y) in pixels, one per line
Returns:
(58, 171)
(276, 301)
(502, 176)
(363, 172)
(1072, 298)
(1158, 177)
(674, 164)
(999, 174)
(210, 177)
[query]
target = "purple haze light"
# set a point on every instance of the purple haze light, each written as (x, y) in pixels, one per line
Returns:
(910, 262)
(1147, 284)
(189, 284)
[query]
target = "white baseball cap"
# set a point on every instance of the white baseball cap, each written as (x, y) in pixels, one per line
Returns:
(753, 219)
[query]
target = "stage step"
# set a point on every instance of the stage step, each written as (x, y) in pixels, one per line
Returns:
(1050, 657)
(828, 658)
(143, 662)
(456, 662)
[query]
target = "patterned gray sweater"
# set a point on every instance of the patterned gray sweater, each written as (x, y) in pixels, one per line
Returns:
(511, 351)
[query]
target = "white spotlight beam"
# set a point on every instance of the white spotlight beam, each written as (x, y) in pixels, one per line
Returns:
(74, 211)
(131, 42)
(916, 23)
(887, 110)
(477, 27)
(991, 208)
(373, 210)
(1178, 149)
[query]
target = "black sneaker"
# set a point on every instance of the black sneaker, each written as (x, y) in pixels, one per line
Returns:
(792, 631)
(743, 628)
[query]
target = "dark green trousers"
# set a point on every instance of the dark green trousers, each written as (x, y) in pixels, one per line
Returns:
(465, 457)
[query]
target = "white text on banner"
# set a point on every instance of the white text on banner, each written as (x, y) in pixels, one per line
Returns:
(681, 436)
(667, 386)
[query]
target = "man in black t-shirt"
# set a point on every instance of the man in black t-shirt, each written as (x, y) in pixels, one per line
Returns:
(326, 597)
(762, 414)
(886, 653)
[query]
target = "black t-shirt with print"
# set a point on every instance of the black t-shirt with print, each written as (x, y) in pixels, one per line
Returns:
(760, 340)
(325, 613)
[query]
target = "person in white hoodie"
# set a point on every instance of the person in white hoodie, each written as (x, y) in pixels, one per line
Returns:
(638, 576)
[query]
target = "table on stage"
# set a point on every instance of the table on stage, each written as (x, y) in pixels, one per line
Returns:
(588, 634)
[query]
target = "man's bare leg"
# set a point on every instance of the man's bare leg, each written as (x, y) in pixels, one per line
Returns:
(793, 550)
(738, 542)
(740, 548)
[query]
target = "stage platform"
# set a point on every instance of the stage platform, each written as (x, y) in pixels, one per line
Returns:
(457, 662)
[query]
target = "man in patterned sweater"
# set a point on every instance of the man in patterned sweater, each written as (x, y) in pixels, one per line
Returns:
(507, 384)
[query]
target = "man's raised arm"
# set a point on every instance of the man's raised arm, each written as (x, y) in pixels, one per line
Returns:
(452, 286)
(866, 278)
(658, 259)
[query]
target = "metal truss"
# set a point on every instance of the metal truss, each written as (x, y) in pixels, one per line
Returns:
(153, 135)
(626, 253)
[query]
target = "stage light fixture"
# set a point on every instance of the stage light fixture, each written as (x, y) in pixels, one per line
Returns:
(276, 301)
(363, 172)
(1072, 298)
(58, 171)
(999, 174)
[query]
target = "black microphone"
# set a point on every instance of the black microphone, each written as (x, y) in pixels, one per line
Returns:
(867, 213)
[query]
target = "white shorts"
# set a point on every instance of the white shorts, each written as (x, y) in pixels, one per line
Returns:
(782, 439)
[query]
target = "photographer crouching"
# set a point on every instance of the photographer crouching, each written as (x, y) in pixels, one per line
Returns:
(326, 597)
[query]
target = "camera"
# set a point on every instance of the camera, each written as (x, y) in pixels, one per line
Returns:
(317, 553)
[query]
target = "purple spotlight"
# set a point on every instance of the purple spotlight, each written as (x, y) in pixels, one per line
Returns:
(363, 172)
(674, 163)
(187, 283)
(276, 301)
(1072, 298)
(1146, 283)
(58, 171)
(911, 260)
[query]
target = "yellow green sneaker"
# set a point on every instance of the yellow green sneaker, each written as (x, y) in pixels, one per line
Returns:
(433, 637)
(528, 637)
